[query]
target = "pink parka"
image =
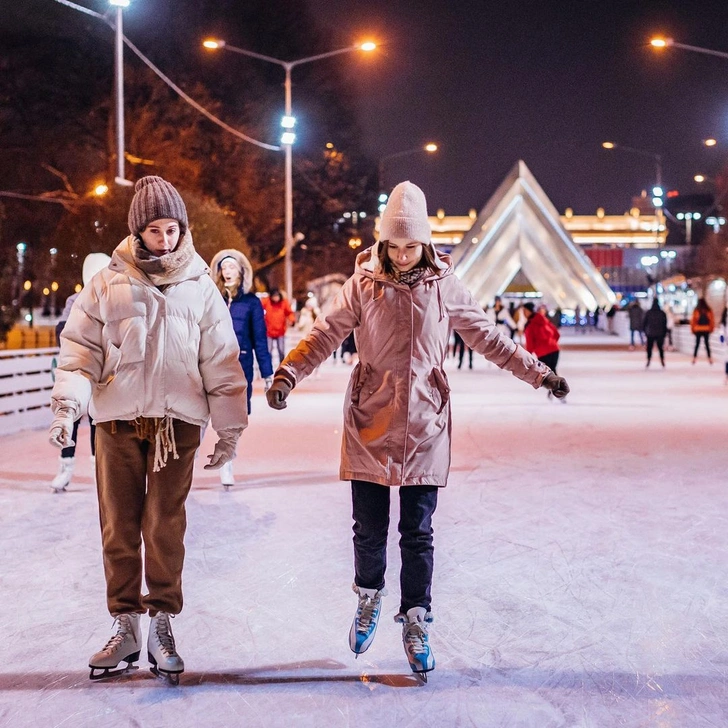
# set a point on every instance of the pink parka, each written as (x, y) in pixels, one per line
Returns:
(397, 423)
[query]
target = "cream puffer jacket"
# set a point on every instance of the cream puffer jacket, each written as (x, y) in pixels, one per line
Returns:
(138, 347)
(397, 421)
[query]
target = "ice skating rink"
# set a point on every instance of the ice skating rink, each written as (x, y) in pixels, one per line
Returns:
(580, 576)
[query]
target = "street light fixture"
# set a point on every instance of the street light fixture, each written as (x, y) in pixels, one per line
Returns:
(288, 137)
(430, 148)
(710, 142)
(661, 42)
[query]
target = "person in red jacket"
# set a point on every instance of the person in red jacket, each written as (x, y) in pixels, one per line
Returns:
(278, 316)
(542, 338)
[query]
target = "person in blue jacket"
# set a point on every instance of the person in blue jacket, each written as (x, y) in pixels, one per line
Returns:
(233, 275)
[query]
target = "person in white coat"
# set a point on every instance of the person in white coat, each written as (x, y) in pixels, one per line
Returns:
(150, 350)
(92, 264)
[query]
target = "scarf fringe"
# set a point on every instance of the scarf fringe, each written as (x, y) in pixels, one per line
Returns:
(160, 432)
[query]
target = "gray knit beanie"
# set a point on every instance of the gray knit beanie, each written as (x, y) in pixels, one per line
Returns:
(405, 215)
(155, 199)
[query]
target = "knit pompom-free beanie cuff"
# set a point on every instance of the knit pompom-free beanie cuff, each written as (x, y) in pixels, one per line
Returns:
(155, 199)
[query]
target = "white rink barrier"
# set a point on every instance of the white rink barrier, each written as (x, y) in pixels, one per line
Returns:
(25, 389)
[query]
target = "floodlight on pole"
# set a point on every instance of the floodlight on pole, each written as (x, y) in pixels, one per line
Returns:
(288, 137)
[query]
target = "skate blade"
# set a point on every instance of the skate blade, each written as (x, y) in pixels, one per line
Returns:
(421, 676)
(110, 672)
(171, 677)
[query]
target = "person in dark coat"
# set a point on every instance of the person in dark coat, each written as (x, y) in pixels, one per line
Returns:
(655, 327)
(636, 323)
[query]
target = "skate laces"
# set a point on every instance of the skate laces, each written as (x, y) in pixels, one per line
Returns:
(163, 633)
(124, 628)
(415, 637)
(367, 612)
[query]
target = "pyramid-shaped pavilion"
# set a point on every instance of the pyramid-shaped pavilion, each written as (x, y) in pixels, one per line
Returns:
(519, 230)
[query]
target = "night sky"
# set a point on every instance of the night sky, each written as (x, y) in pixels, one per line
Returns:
(545, 82)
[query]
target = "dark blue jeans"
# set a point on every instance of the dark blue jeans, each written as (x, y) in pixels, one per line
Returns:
(370, 510)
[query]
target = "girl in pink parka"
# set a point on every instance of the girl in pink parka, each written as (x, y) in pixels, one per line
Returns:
(402, 303)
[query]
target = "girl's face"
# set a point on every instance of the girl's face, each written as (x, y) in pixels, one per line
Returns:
(161, 236)
(405, 254)
(230, 272)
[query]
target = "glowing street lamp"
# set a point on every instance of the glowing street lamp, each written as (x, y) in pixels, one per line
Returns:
(710, 142)
(662, 42)
(288, 137)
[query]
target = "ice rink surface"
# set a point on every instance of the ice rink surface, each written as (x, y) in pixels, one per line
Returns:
(580, 575)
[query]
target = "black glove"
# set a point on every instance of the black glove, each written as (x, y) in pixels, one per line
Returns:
(278, 392)
(556, 384)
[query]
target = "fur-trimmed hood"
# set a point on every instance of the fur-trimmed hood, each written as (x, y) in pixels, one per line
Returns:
(246, 270)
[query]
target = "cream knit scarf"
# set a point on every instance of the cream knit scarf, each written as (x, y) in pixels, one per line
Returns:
(163, 265)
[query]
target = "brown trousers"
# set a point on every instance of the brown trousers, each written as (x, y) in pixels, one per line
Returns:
(137, 505)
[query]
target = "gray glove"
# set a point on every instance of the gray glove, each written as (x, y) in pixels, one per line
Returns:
(224, 449)
(278, 392)
(62, 428)
(556, 384)
(268, 383)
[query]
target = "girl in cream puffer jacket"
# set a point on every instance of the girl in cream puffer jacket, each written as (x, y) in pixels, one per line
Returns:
(150, 350)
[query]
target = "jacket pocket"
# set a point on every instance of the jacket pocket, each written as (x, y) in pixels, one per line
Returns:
(112, 362)
(360, 376)
(440, 380)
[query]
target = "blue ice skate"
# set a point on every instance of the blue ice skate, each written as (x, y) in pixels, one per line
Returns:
(416, 640)
(366, 618)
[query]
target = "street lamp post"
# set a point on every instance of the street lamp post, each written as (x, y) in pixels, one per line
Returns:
(120, 178)
(288, 137)
(643, 152)
(657, 190)
(430, 148)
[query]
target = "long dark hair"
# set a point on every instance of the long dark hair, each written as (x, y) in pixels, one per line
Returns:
(426, 261)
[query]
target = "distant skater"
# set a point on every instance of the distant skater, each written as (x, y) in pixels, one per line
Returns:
(702, 325)
(655, 325)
